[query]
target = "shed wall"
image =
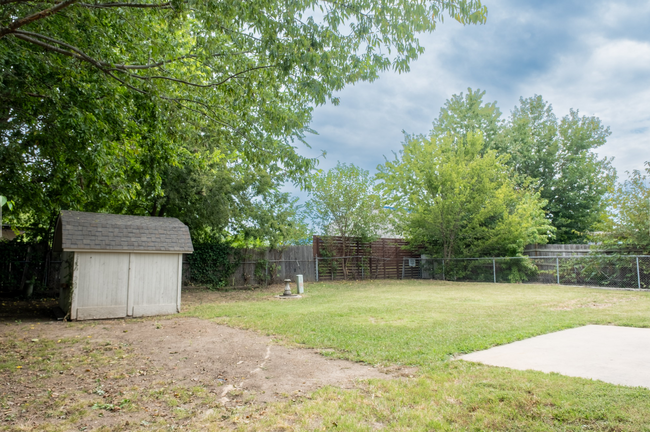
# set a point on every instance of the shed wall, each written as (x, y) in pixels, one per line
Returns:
(115, 285)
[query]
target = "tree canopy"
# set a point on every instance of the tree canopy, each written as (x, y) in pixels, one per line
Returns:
(556, 154)
(559, 155)
(145, 107)
(344, 202)
(627, 227)
(457, 200)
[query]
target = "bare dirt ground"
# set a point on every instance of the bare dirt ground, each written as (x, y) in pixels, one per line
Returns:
(128, 374)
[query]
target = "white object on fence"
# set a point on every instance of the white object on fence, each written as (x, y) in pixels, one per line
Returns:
(411, 262)
(301, 286)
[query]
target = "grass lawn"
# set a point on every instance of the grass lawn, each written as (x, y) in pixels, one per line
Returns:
(425, 324)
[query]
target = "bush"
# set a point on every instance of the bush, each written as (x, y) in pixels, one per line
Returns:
(212, 264)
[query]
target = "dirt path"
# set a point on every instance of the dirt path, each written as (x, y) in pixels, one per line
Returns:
(120, 374)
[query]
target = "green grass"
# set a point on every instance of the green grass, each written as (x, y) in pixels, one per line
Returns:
(425, 324)
(422, 323)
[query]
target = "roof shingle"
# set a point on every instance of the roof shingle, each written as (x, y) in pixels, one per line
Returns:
(102, 231)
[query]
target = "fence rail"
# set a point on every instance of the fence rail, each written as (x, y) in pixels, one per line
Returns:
(614, 271)
(357, 268)
(273, 271)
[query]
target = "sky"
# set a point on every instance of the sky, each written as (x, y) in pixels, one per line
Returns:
(593, 56)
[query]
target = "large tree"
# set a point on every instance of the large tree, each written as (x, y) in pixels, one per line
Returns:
(106, 105)
(468, 113)
(458, 200)
(557, 154)
(343, 202)
(560, 156)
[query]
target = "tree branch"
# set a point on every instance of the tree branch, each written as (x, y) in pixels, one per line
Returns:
(80, 55)
(113, 67)
(107, 67)
(4, 2)
(167, 5)
(44, 45)
(144, 78)
(35, 17)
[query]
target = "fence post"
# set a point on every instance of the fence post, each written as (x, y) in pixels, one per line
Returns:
(557, 269)
(443, 269)
(266, 277)
(638, 273)
(361, 268)
(316, 269)
(403, 268)
(494, 269)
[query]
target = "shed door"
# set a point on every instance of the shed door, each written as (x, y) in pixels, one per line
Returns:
(155, 284)
(102, 285)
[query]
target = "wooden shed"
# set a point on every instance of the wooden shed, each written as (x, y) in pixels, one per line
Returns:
(115, 266)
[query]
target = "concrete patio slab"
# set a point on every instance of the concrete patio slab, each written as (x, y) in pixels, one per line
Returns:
(617, 355)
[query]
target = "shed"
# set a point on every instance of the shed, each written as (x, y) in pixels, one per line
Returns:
(113, 266)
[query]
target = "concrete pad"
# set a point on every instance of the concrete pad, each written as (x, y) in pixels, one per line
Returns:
(617, 355)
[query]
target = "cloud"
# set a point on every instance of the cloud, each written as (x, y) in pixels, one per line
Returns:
(592, 56)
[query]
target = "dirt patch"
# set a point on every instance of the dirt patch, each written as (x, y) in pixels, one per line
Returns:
(125, 374)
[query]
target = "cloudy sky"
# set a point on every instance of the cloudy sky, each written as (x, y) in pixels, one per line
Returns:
(593, 56)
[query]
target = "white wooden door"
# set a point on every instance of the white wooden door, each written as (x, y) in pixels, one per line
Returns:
(155, 284)
(101, 285)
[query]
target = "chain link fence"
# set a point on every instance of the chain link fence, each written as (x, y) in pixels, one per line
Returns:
(615, 271)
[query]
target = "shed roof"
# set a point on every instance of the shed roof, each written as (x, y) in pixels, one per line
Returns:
(77, 231)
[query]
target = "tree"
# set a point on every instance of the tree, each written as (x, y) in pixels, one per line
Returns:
(458, 200)
(467, 113)
(628, 228)
(100, 102)
(560, 157)
(344, 203)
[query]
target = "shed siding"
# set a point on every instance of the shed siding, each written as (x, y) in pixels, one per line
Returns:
(155, 284)
(115, 285)
(101, 285)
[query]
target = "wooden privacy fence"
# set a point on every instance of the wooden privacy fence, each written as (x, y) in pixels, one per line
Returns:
(339, 258)
(324, 259)
(273, 266)
(264, 267)
(27, 269)
(560, 250)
